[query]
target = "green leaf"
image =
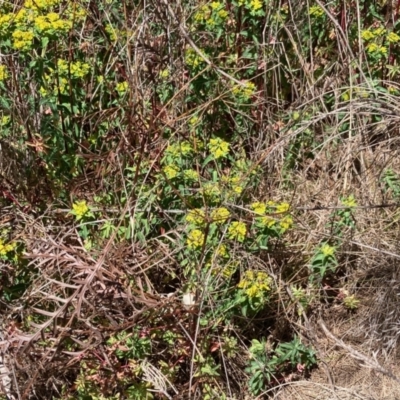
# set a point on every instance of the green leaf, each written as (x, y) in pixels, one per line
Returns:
(207, 160)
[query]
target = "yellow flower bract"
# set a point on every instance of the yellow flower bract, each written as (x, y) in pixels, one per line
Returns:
(393, 37)
(122, 87)
(349, 201)
(237, 230)
(327, 250)
(192, 58)
(22, 40)
(212, 191)
(171, 171)
(367, 34)
(282, 207)
(6, 248)
(179, 149)
(255, 284)
(259, 208)
(3, 73)
(191, 174)
(245, 91)
(316, 11)
(255, 5)
(80, 208)
(218, 147)
(267, 221)
(196, 217)
(220, 215)
(286, 222)
(195, 239)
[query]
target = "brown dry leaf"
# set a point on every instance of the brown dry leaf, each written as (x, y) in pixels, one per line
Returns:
(38, 145)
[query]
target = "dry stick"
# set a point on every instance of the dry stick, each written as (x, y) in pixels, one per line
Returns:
(367, 361)
(79, 294)
(345, 39)
(196, 49)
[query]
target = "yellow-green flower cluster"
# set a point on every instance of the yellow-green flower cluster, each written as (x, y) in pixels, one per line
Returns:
(212, 191)
(195, 239)
(65, 70)
(77, 69)
(316, 11)
(62, 86)
(218, 7)
(5, 119)
(196, 217)
(222, 251)
(190, 175)
(3, 73)
(361, 92)
(37, 16)
(40, 4)
(278, 208)
(80, 209)
(194, 120)
(111, 32)
(29, 12)
(255, 5)
(393, 37)
(192, 59)
(379, 31)
(229, 269)
(349, 201)
(377, 49)
(235, 183)
(245, 91)
(203, 14)
(367, 34)
(24, 17)
(122, 87)
(171, 171)
(267, 221)
(327, 250)
(286, 223)
(5, 21)
(237, 231)
(218, 148)
(185, 148)
(255, 284)
(52, 22)
(259, 208)
(6, 248)
(164, 74)
(282, 207)
(76, 12)
(241, 164)
(212, 14)
(220, 215)
(176, 150)
(351, 302)
(22, 40)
